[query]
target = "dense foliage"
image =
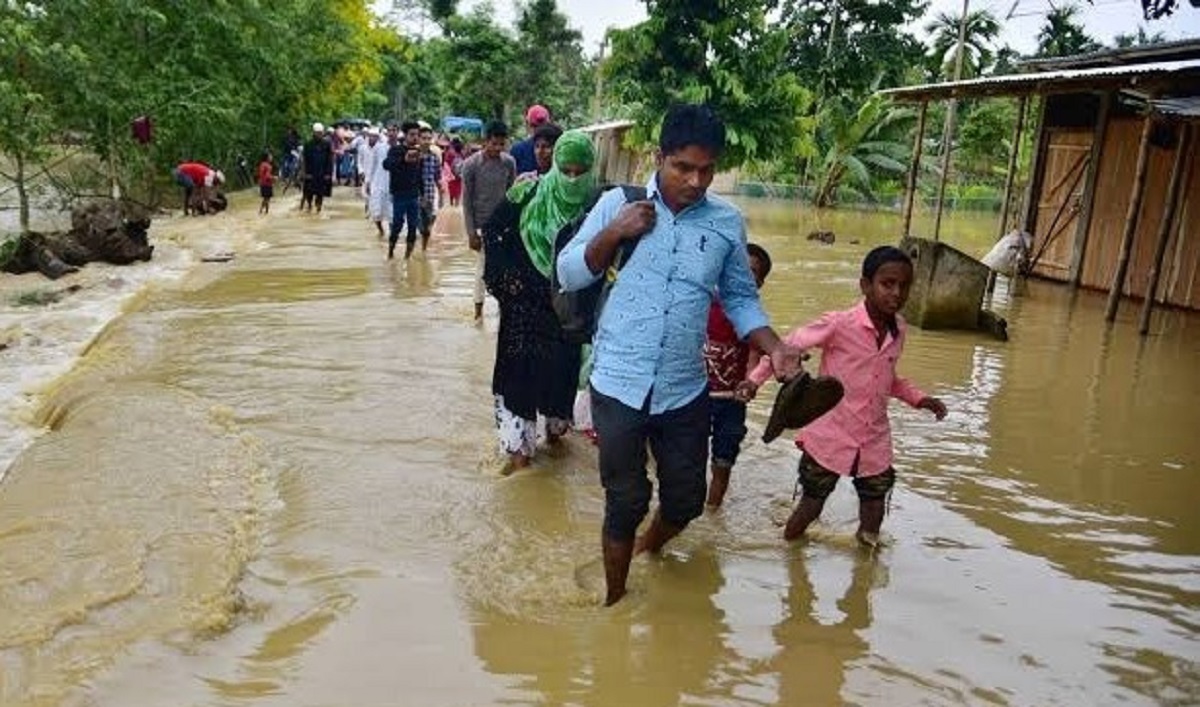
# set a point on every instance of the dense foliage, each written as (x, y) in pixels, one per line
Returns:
(794, 79)
(723, 52)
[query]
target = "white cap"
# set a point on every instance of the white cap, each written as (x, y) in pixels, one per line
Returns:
(318, 128)
(423, 125)
(373, 131)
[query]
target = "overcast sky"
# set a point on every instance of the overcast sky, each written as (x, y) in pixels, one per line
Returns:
(1102, 20)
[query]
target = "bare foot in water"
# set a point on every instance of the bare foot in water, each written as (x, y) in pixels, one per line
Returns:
(515, 463)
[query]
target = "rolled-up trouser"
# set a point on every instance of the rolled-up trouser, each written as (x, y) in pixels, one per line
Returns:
(428, 216)
(677, 438)
(479, 288)
(405, 212)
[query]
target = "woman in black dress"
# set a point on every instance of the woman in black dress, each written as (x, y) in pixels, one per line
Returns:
(537, 369)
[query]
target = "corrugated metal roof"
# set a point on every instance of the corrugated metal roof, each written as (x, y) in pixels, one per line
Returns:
(1179, 50)
(1034, 82)
(1181, 107)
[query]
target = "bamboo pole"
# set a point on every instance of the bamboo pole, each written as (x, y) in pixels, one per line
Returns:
(1013, 153)
(951, 119)
(1084, 225)
(1131, 218)
(947, 141)
(918, 145)
(1178, 166)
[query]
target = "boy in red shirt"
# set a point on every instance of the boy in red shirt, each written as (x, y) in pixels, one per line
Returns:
(859, 346)
(728, 359)
(266, 182)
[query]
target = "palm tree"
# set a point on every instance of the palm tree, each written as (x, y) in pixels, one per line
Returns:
(1140, 39)
(982, 30)
(1062, 35)
(856, 145)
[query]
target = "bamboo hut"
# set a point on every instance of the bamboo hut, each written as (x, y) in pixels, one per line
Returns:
(1113, 198)
(616, 163)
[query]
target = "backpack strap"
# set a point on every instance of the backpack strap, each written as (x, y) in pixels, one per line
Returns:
(633, 193)
(625, 250)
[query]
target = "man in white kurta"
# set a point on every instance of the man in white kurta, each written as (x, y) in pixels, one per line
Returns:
(376, 179)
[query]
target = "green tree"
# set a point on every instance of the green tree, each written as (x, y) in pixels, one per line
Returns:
(1140, 38)
(215, 83)
(551, 65)
(34, 67)
(481, 56)
(848, 48)
(476, 67)
(415, 17)
(857, 145)
(414, 80)
(984, 136)
(982, 28)
(722, 52)
(1006, 61)
(1063, 35)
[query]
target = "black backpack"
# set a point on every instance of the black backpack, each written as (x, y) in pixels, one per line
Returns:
(579, 311)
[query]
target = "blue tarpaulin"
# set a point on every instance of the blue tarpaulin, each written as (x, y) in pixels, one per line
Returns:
(459, 124)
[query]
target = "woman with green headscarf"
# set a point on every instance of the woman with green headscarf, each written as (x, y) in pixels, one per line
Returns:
(536, 368)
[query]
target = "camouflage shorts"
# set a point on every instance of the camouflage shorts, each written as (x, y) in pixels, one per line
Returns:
(818, 482)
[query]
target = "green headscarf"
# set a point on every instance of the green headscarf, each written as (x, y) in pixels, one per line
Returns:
(558, 199)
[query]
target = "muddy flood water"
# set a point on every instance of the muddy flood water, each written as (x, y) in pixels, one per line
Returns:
(272, 482)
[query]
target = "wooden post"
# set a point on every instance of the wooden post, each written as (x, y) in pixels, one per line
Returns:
(951, 115)
(1170, 204)
(947, 143)
(914, 169)
(1013, 153)
(1084, 224)
(1181, 224)
(1033, 190)
(1131, 218)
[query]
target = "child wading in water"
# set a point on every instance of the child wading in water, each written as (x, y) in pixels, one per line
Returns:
(860, 347)
(266, 182)
(728, 359)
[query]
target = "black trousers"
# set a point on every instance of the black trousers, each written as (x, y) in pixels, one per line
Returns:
(677, 438)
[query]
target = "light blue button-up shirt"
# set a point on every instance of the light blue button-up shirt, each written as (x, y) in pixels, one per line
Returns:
(650, 337)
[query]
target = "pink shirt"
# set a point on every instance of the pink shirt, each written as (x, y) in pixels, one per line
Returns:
(859, 425)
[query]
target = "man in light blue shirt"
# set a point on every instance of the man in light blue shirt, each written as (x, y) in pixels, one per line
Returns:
(649, 384)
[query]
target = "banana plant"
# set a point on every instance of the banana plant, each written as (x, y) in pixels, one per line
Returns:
(856, 146)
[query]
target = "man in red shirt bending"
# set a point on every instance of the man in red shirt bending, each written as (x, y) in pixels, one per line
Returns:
(197, 179)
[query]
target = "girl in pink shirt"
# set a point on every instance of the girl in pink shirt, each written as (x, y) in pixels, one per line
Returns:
(860, 347)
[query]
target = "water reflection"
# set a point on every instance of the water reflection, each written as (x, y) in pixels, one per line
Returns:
(822, 637)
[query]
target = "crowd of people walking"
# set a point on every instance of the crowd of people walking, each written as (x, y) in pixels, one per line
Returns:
(678, 340)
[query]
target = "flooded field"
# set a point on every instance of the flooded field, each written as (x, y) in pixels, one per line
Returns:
(273, 482)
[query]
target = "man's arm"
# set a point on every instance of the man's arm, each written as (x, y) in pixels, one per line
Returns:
(739, 298)
(815, 334)
(592, 250)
